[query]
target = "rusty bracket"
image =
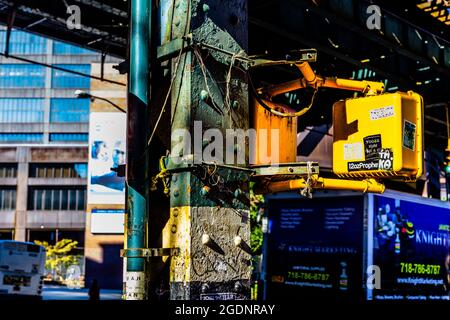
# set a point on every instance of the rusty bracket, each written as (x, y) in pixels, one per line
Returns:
(292, 57)
(186, 163)
(296, 168)
(149, 252)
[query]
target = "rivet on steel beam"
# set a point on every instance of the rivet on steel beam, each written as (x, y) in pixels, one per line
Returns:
(237, 241)
(204, 95)
(205, 190)
(175, 212)
(173, 228)
(237, 286)
(206, 239)
(176, 193)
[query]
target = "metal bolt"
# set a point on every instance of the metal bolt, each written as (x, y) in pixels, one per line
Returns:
(204, 95)
(291, 169)
(205, 239)
(176, 193)
(205, 190)
(205, 8)
(173, 228)
(237, 241)
(175, 212)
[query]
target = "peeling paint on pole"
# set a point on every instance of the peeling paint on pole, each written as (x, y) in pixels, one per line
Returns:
(207, 217)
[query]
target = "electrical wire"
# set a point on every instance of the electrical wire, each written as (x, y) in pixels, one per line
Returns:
(163, 109)
(205, 77)
(275, 112)
(228, 80)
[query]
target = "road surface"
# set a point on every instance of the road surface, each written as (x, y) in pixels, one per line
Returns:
(52, 292)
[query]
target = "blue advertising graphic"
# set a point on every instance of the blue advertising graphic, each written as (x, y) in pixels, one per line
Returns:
(315, 248)
(107, 145)
(411, 248)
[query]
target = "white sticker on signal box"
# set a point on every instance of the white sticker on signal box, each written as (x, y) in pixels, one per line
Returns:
(381, 113)
(353, 151)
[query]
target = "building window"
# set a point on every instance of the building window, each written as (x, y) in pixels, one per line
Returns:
(58, 198)
(22, 76)
(6, 234)
(8, 170)
(54, 235)
(69, 137)
(21, 137)
(24, 110)
(24, 43)
(7, 198)
(63, 79)
(69, 110)
(61, 48)
(58, 170)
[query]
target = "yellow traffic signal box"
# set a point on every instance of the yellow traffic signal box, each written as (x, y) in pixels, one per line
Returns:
(379, 136)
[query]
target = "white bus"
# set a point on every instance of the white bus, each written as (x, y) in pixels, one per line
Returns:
(22, 266)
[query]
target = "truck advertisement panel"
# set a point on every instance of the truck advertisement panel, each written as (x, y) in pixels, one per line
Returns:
(408, 241)
(314, 248)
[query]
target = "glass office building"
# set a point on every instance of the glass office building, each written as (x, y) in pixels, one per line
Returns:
(44, 138)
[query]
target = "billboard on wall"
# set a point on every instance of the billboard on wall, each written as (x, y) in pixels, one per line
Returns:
(107, 138)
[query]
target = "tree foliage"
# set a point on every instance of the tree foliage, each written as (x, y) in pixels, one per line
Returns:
(256, 213)
(58, 256)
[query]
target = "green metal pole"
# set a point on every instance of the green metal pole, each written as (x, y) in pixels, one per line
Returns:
(137, 127)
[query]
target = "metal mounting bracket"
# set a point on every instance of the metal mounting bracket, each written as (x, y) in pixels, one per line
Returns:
(149, 252)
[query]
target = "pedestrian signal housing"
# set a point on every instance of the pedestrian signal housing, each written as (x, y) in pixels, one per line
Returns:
(379, 136)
